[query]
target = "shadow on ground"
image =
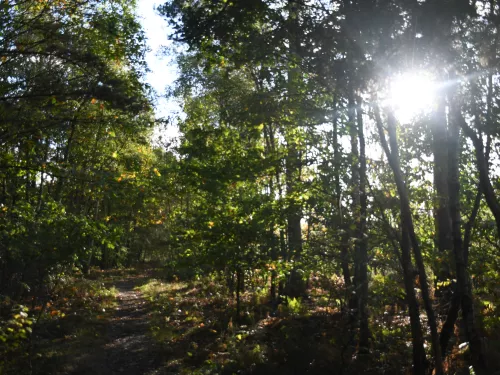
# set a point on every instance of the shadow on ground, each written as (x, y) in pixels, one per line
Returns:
(116, 342)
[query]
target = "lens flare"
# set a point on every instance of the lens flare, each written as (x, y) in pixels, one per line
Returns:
(411, 94)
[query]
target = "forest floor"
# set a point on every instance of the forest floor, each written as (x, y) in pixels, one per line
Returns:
(116, 341)
(133, 322)
(142, 325)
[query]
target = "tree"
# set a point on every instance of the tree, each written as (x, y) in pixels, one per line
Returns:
(74, 114)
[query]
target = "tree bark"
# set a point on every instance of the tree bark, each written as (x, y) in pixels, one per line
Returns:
(296, 286)
(482, 166)
(440, 151)
(364, 329)
(355, 196)
(419, 359)
(442, 220)
(463, 281)
(393, 158)
(344, 254)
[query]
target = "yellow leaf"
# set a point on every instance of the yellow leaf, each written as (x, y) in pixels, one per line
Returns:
(93, 101)
(157, 172)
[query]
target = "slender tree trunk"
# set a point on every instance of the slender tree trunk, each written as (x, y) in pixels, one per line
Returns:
(293, 160)
(463, 281)
(39, 205)
(282, 240)
(269, 141)
(470, 225)
(296, 286)
(442, 221)
(343, 238)
(440, 151)
(484, 179)
(419, 360)
(364, 329)
(239, 275)
(60, 181)
(393, 157)
(355, 195)
(454, 309)
(91, 242)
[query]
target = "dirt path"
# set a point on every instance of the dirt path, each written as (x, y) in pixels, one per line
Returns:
(126, 347)
(130, 349)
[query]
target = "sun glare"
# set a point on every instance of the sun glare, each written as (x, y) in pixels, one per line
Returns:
(411, 94)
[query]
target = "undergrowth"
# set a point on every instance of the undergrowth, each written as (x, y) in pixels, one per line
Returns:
(39, 330)
(196, 324)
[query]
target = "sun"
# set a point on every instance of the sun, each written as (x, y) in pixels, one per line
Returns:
(411, 94)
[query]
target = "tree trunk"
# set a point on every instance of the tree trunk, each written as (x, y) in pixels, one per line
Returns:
(355, 196)
(269, 142)
(362, 256)
(442, 221)
(419, 360)
(239, 276)
(296, 286)
(91, 243)
(463, 281)
(482, 165)
(393, 158)
(440, 151)
(343, 238)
